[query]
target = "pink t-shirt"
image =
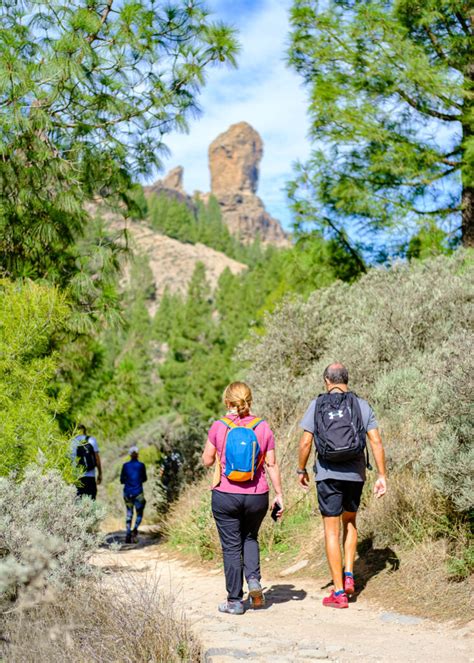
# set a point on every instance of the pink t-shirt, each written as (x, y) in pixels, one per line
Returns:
(217, 434)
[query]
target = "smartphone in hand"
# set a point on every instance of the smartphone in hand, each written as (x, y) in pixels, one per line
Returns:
(275, 511)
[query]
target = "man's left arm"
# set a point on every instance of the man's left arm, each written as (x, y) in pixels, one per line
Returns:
(375, 439)
(98, 463)
(144, 476)
(99, 467)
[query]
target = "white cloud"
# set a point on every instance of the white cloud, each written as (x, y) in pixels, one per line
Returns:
(263, 92)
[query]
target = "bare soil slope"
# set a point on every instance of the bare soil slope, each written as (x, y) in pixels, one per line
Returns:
(172, 262)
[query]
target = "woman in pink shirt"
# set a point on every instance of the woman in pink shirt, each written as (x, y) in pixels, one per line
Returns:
(239, 507)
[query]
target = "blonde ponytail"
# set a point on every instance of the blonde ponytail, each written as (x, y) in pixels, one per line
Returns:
(238, 395)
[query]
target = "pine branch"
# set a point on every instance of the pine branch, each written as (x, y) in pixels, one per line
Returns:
(454, 164)
(447, 117)
(342, 237)
(436, 45)
(445, 211)
(464, 25)
(107, 9)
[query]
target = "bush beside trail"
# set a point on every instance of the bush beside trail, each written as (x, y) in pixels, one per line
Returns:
(46, 534)
(405, 334)
(31, 316)
(93, 623)
(55, 603)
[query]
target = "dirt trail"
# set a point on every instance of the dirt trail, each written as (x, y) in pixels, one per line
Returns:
(294, 627)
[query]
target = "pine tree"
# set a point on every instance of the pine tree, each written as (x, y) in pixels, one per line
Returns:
(391, 85)
(167, 316)
(173, 218)
(188, 374)
(88, 89)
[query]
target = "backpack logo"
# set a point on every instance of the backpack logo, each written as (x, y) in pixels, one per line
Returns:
(333, 415)
(242, 450)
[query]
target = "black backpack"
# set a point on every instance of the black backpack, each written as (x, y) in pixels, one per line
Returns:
(85, 455)
(339, 433)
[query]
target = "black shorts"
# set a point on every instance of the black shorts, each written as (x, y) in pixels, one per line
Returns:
(336, 496)
(87, 486)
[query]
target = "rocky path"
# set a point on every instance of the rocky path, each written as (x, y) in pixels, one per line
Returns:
(294, 627)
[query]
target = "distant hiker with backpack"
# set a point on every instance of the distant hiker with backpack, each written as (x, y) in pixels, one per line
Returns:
(133, 476)
(242, 447)
(85, 453)
(339, 422)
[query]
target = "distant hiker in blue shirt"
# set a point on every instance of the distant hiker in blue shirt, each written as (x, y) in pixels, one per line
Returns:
(133, 476)
(85, 454)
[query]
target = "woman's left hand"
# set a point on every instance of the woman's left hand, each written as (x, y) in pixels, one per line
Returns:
(278, 500)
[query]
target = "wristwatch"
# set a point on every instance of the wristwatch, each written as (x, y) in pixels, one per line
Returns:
(298, 471)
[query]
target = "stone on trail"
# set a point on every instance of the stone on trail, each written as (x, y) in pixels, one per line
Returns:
(334, 648)
(311, 651)
(226, 654)
(397, 618)
(295, 568)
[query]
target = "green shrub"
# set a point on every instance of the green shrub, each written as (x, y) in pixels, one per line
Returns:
(46, 533)
(30, 316)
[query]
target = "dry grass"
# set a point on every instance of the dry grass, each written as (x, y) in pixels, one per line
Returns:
(190, 527)
(133, 623)
(421, 585)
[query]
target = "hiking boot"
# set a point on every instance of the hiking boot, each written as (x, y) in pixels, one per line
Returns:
(333, 601)
(349, 587)
(128, 538)
(232, 607)
(257, 599)
(135, 536)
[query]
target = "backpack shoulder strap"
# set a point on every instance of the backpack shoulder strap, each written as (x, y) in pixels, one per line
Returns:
(228, 422)
(82, 443)
(358, 411)
(254, 423)
(355, 404)
(317, 401)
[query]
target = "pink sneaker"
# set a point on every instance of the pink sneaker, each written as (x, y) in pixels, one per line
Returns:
(333, 601)
(349, 585)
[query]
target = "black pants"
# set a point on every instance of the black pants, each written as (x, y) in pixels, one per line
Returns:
(238, 519)
(87, 486)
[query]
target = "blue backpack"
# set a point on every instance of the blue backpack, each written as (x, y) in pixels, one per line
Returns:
(242, 450)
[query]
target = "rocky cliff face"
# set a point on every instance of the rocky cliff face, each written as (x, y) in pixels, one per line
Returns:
(172, 186)
(234, 158)
(234, 162)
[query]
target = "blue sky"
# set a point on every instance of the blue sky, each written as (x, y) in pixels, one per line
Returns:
(262, 91)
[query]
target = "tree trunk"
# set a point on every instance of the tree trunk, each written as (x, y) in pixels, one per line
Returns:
(467, 200)
(467, 226)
